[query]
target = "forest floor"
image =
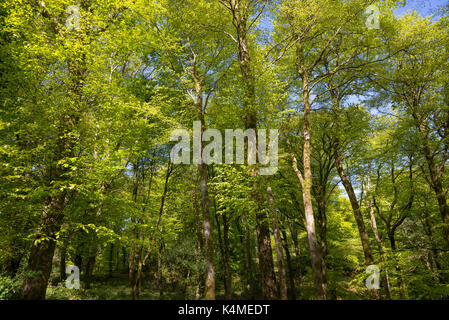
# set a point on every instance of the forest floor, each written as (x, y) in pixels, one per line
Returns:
(116, 287)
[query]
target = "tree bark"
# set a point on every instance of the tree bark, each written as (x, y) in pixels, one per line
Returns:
(386, 280)
(279, 251)
(62, 263)
(111, 260)
(205, 206)
(198, 242)
(90, 263)
(249, 259)
(315, 250)
(354, 204)
(433, 253)
(291, 274)
(227, 262)
(437, 185)
(241, 12)
(294, 234)
(306, 184)
(42, 250)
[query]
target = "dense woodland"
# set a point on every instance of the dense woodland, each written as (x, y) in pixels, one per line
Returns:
(89, 98)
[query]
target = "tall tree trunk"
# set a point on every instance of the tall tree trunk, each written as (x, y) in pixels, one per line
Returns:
(160, 282)
(124, 261)
(348, 185)
(432, 251)
(111, 260)
(306, 184)
(136, 249)
(291, 274)
(90, 263)
(391, 238)
(62, 259)
(207, 227)
(279, 251)
(241, 13)
(386, 279)
(117, 258)
(294, 234)
(199, 244)
(315, 250)
(227, 262)
(12, 265)
(354, 204)
(436, 176)
(249, 259)
(41, 255)
(221, 246)
(322, 221)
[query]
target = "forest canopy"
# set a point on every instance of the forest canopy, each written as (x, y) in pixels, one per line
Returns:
(223, 149)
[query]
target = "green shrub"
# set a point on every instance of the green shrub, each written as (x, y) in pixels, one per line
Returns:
(10, 288)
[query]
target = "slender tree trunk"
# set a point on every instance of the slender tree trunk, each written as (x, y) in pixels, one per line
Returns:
(279, 251)
(391, 238)
(386, 279)
(291, 274)
(249, 260)
(437, 185)
(241, 13)
(205, 201)
(117, 258)
(322, 221)
(208, 239)
(348, 185)
(221, 246)
(306, 184)
(198, 243)
(294, 234)
(354, 204)
(227, 262)
(111, 260)
(12, 265)
(90, 263)
(160, 282)
(62, 263)
(124, 261)
(136, 249)
(315, 250)
(432, 251)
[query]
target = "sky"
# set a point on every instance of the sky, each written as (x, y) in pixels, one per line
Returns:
(424, 7)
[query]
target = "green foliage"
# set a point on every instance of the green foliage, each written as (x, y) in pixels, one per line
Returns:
(85, 123)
